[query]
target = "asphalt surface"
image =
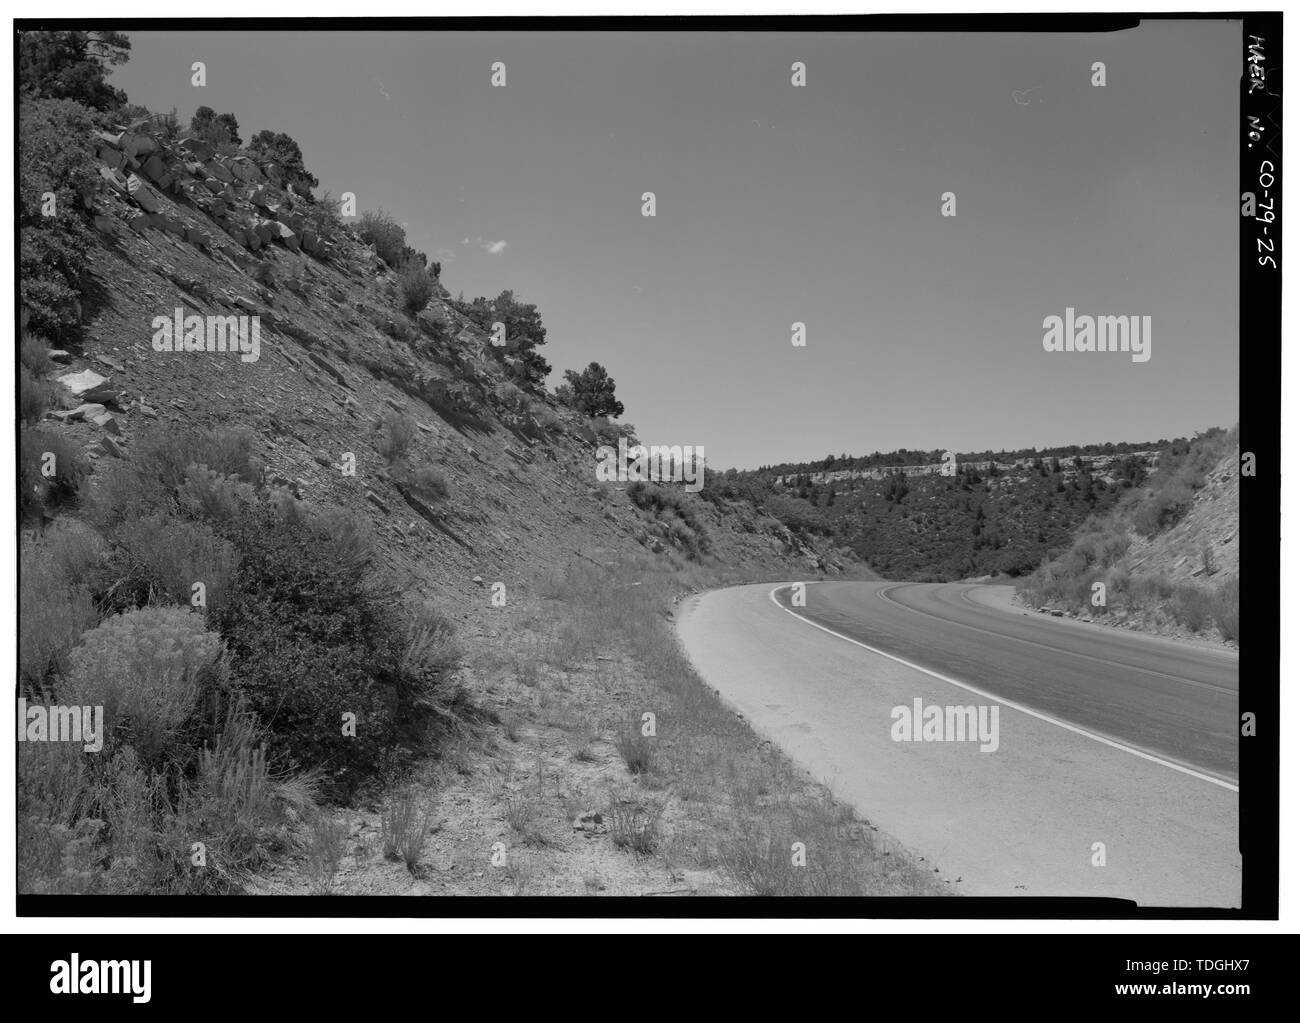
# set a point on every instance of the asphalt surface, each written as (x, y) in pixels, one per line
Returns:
(1172, 699)
(1113, 768)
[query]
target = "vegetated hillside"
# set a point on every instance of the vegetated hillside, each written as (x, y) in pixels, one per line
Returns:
(912, 515)
(915, 462)
(272, 572)
(344, 370)
(1166, 554)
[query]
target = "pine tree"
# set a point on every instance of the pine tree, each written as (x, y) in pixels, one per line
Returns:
(591, 392)
(72, 65)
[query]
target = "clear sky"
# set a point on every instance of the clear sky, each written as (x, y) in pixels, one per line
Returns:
(778, 204)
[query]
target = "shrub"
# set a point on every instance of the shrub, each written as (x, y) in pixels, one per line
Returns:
(206, 494)
(167, 126)
(40, 450)
(268, 147)
(1101, 547)
(417, 287)
(52, 265)
(288, 507)
(687, 539)
(350, 537)
(167, 556)
(1192, 606)
(396, 434)
(348, 646)
(634, 825)
(523, 814)
(53, 781)
(1225, 607)
(120, 494)
(226, 795)
(53, 611)
(509, 396)
(429, 483)
(649, 496)
(1150, 591)
(34, 397)
(843, 859)
(236, 803)
(34, 353)
(688, 531)
(217, 129)
(323, 217)
(133, 803)
(126, 821)
(1117, 583)
(429, 652)
(608, 433)
(404, 824)
(144, 668)
(636, 749)
(78, 554)
(387, 236)
(435, 325)
(56, 851)
(166, 455)
(327, 840)
(58, 859)
(548, 419)
(159, 476)
(457, 401)
(1162, 508)
(54, 156)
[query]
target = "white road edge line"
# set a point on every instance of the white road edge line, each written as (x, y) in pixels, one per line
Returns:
(1005, 703)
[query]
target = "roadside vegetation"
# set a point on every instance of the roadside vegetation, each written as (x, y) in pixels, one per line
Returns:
(265, 681)
(674, 517)
(169, 595)
(678, 782)
(1201, 605)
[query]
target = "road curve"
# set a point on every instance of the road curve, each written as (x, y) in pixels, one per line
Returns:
(1106, 740)
(1175, 700)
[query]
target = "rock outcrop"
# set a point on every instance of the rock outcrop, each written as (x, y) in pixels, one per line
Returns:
(139, 168)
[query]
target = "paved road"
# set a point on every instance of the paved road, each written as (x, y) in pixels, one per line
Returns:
(1176, 700)
(1103, 736)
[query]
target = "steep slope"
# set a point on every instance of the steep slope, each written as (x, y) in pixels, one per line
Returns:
(413, 426)
(1165, 559)
(1204, 545)
(337, 357)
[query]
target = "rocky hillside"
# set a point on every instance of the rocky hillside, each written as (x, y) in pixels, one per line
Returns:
(340, 373)
(368, 482)
(1204, 545)
(1165, 559)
